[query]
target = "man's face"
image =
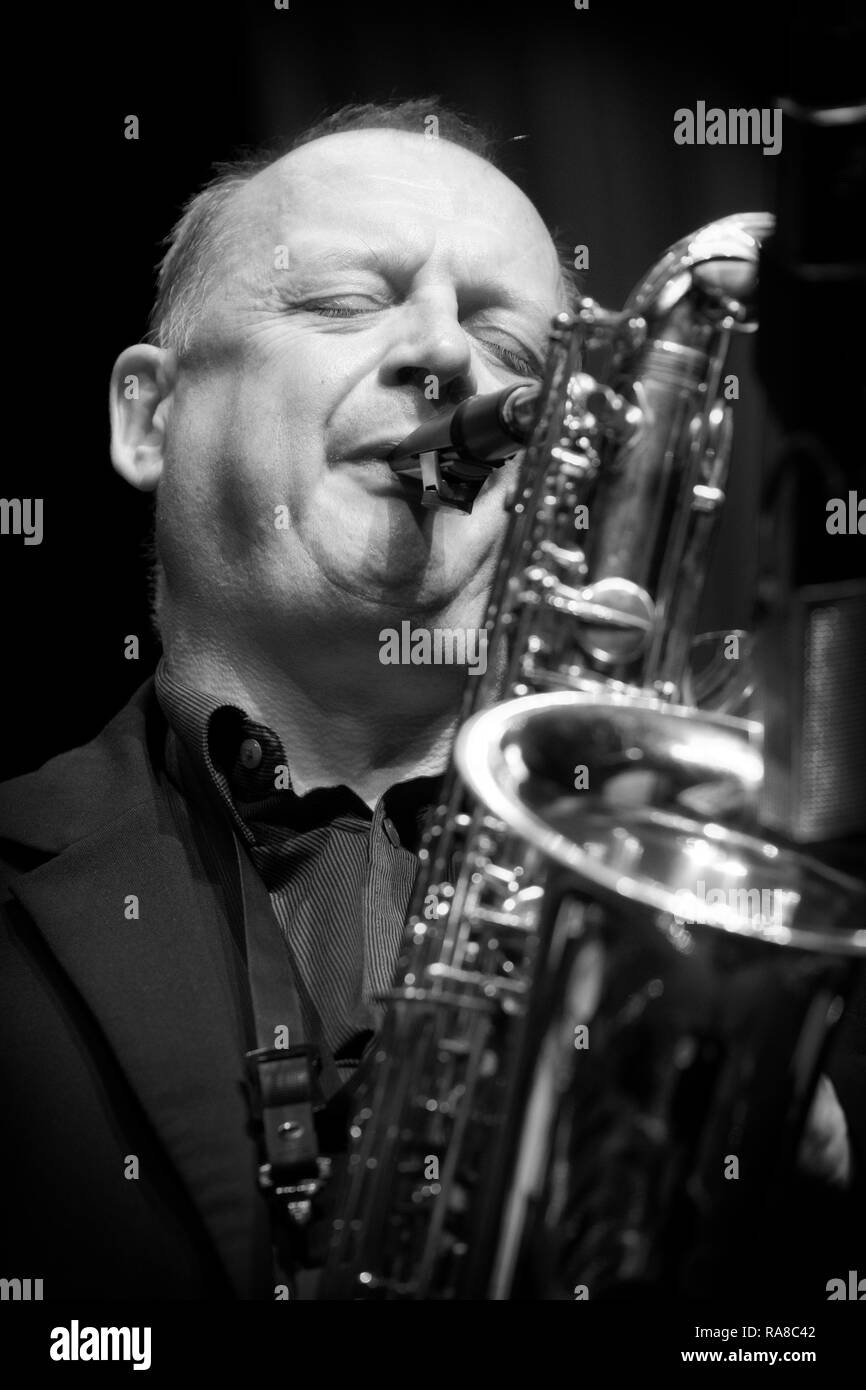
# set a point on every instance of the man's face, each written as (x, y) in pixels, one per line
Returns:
(358, 277)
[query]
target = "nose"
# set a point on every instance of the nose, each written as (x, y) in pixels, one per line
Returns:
(433, 352)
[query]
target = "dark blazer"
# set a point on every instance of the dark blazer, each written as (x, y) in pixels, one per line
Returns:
(121, 1038)
(125, 1038)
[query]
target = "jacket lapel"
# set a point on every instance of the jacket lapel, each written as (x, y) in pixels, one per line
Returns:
(159, 988)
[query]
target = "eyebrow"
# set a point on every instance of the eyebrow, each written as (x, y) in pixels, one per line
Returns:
(533, 309)
(390, 261)
(387, 259)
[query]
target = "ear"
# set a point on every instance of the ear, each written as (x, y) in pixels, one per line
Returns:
(142, 382)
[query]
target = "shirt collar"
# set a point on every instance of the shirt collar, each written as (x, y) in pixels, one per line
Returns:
(246, 763)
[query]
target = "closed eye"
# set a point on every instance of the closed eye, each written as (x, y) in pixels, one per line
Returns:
(339, 309)
(519, 364)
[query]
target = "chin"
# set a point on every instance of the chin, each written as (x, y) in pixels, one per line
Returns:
(405, 593)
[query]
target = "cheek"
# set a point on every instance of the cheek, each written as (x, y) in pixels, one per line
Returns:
(275, 412)
(247, 427)
(221, 472)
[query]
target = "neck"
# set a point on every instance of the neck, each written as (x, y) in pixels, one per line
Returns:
(343, 716)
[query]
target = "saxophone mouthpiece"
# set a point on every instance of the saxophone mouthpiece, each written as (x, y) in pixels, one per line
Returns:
(453, 455)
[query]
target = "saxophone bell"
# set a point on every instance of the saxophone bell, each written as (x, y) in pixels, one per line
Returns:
(688, 974)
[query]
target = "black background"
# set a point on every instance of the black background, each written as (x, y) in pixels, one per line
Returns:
(593, 93)
(583, 102)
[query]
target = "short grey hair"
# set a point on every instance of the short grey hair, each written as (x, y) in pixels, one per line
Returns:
(203, 229)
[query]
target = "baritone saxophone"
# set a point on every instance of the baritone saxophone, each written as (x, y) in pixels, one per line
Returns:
(612, 987)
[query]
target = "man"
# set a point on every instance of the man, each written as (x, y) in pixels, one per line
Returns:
(233, 856)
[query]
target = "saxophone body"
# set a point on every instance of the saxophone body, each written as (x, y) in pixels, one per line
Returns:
(587, 1030)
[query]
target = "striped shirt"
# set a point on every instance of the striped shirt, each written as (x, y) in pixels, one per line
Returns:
(339, 875)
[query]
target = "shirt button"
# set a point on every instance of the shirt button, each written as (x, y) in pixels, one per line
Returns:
(390, 830)
(251, 753)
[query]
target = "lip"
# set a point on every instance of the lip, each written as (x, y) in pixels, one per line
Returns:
(377, 480)
(370, 465)
(376, 451)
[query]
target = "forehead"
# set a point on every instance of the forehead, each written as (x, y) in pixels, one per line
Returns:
(424, 200)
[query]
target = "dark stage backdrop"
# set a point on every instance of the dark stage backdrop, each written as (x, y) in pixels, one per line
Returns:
(583, 101)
